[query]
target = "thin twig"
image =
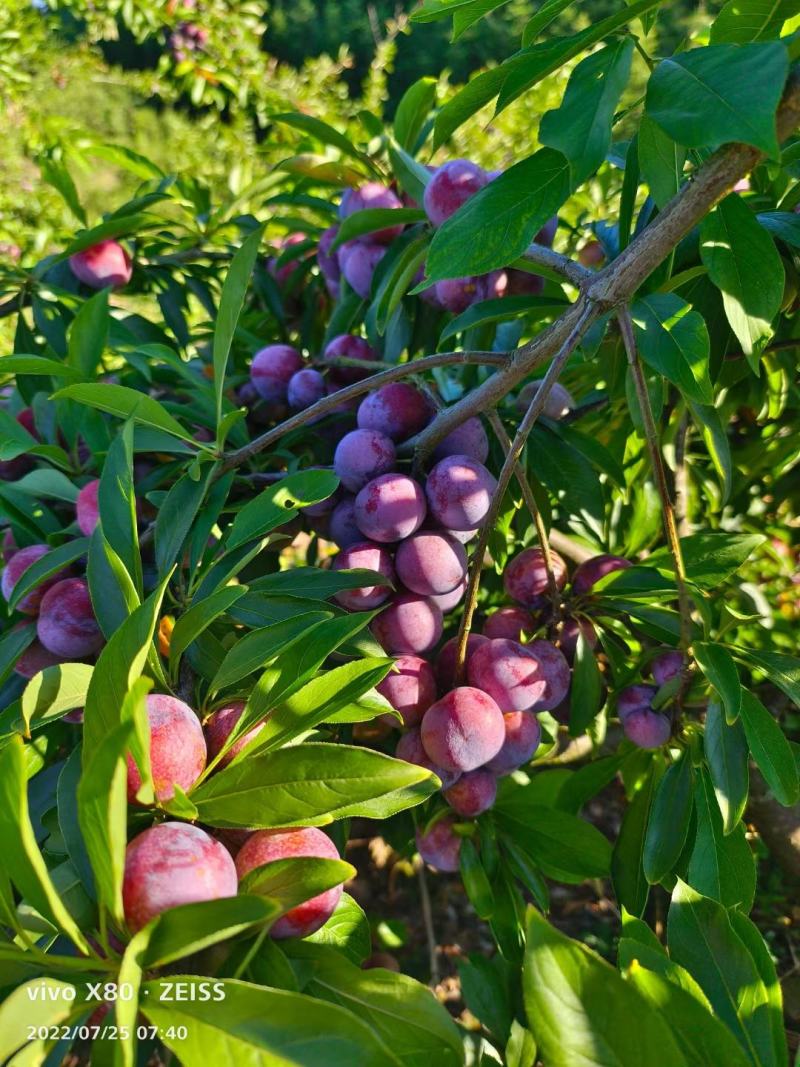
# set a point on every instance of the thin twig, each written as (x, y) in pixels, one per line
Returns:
(427, 920)
(506, 473)
(660, 475)
(574, 272)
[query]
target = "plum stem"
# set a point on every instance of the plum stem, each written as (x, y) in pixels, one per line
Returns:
(535, 409)
(427, 921)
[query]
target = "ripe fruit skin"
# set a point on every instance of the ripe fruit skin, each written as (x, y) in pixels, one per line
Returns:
(516, 677)
(525, 577)
(106, 263)
(590, 572)
(472, 794)
(556, 671)
(266, 846)
(219, 727)
(390, 508)
(568, 638)
(559, 401)
(349, 346)
(463, 730)
(411, 749)
(410, 688)
(13, 571)
(35, 658)
(468, 439)
(358, 265)
(409, 625)
(447, 601)
(440, 847)
(86, 509)
(170, 864)
(666, 667)
(364, 556)
(370, 196)
(431, 563)
(271, 369)
(523, 734)
(459, 491)
(450, 187)
(635, 698)
(397, 409)
(177, 748)
(457, 294)
(342, 528)
(305, 388)
(362, 455)
(446, 660)
(510, 623)
(66, 625)
(329, 263)
(647, 729)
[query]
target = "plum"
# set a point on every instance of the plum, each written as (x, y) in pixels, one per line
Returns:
(349, 346)
(106, 263)
(431, 563)
(371, 196)
(19, 562)
(525, 577)
(10, 545)
(86, 509)
(410, 688)
(398, 409)
(390, 508)
(177, 748)
(409, 625)
(647, 729)
(411, 750)
(547, 234)
(568, 636)
(171, 864)
(514, 676)
(510, 623)
(306, 387)
(592, 570)
(67, 625)
(635, 698)
(592, 254)
(523, 734)
(447, 601)
(35, 658)
(473, 793)
(451, 186)
(468, 439)
(358, 266)
(556, 671)
(362, 455)
(463, 730)
(365, 555)
(342, 528)
(446, 660)
(266, 846)
(666, 666)
(457, 294)
(328, 262)
(459, 491)
(272, 368)
(219, 727)
(440, 846)
(523, 283)
(559, 402)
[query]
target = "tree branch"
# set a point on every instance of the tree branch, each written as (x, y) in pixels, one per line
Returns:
(574, 272)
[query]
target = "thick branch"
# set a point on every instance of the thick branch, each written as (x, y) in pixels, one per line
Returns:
(574, 272)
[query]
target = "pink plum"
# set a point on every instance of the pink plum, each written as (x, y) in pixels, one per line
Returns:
(463, 730)
(523, 734)
(525, 577)
(306, 387)
(359, 264)
(106, 263)
(410, 688)
(86, 509)
(362, 455)
(411, 750)
(219, 727)
(19, 562)
(364, 555)
(398, 409)
(450, 187)
(372, 196)
(510, 623)
(446, 660)
(177, 748)
(440, 847)
(67, 625)
(473, 793)
(431, 563)
(272, 368)
(409, 625)
(349, 346)
(590, 572)
(468, 439)
(459, 491)
(390, 508)
(559, 401)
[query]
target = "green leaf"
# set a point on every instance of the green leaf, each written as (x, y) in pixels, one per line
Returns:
(467, 16)
(55, 173)
(46, 482)
(544, 17)
(770, 750)
(431, 10)
(627, 870)
(487, 312)
(749, 934)
(742, 21)
(289, 882)
(316, 583)
(25, 1009)
(581, 1010)
(469, 99)
(711, 96)
(722, 867)
(476, 882)
(668, 824)
(703, 941)
(125, 403)
(726, 754)
(586, 691)
(371, 219)
(785, 225)
(190, 928)
(54, 561)
(199, 617)
(306, 785)
(565, 847)
(23, 861)
(347, 930)
(715, 437)
(703, 1039)
(710, 558)
(176, 516)
(53, 692)
(324, 133)
(718, 666)
(744, 264)
(262, 1027)
(116, 501)
(279, 504)
(661, 161)
(581, 127)
(782, 670)
(36, 365)
(231, 301)
(496, 225)
(412, 111)
(673, 340)
(257, 648)
(399, 1010)
(110, 586)
(88, 335)
(102, 813)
